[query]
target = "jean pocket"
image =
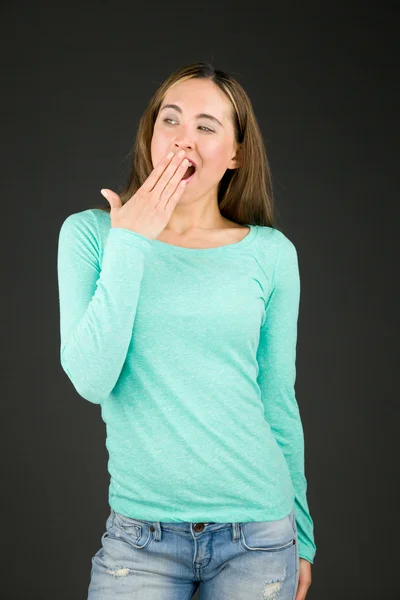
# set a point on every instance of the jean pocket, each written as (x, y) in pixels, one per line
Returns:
(135, 532)
(269, 536)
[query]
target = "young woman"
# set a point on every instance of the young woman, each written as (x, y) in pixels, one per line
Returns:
(178, 312)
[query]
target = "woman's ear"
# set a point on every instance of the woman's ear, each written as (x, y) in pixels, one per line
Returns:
(235, 161)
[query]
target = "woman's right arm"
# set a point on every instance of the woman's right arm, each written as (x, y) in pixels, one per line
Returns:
(97, 302)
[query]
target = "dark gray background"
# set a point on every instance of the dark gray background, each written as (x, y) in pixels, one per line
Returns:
(323, 79)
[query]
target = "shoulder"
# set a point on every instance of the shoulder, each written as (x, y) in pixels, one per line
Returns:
(280, 254)
(276, 242)
(90, 224)
(79, 221)
(88, 217)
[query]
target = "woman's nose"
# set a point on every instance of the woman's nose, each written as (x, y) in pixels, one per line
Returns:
(184, 140)
(183, 146)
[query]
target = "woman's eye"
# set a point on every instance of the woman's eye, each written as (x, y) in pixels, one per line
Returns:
(202, 126)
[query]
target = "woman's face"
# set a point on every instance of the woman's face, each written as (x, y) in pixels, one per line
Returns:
(209, 143)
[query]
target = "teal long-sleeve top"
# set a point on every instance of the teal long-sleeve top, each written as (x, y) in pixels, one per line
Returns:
(191, 355)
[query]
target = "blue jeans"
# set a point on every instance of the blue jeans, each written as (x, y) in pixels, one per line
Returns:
(153, 560)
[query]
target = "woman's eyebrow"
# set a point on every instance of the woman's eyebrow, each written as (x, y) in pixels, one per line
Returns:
(199, 116)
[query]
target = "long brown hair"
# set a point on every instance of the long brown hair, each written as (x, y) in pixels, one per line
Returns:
(245, 193)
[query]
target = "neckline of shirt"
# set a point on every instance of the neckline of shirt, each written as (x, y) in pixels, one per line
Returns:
(227, 247)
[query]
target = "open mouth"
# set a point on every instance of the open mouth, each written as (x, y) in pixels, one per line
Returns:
(189, 172)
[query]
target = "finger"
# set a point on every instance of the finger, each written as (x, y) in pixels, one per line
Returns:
(172, 201)
(113, 199)
(166, 175)
(174, 182)
(159, 169)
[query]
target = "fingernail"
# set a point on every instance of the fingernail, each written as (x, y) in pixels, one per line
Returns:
(104, 193)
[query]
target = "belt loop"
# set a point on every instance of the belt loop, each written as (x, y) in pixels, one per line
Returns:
(235, 531)
(156, 530)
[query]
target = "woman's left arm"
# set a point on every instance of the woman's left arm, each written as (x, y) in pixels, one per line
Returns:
(276, 357)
